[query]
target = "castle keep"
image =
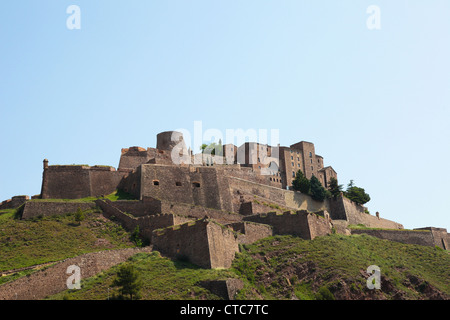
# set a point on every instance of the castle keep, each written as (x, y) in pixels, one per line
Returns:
(202, 206)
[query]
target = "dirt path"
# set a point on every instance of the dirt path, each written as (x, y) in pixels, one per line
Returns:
(53, 279)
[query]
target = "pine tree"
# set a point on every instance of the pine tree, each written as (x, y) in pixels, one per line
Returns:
(356, 194)
(334, 187)
(129, 281)
(301, 183)
(318, 192)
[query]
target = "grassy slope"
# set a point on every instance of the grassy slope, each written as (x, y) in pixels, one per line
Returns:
(288, 267)
(163, 279)
(285, 267)
(25, 243)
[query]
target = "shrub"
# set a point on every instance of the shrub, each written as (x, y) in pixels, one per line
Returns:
(324, 294)
(79, 215)
(135, 237)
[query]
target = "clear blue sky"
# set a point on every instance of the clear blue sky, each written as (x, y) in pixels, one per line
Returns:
(376, 103)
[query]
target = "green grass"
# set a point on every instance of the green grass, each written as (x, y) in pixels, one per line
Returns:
(337, 262)
(363, 227)
(163, 279)
(25, 243)
(115, 196)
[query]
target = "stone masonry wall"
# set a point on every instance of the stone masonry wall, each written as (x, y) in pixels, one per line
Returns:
(188, 241)
(251, 231)
(34, 209)
(146, 223)
(440, 237)
(203, 242)
(53, 280)
(75, 182)
(14, 202)
(424, 238)
(197, 212)
(343, 208)
(146, 206)
(223, 245)
(303, 224)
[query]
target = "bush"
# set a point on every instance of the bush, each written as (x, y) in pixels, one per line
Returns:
(324, 294)
(135, 237)
(79, 215)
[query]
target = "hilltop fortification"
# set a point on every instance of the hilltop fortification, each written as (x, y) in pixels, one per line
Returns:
(202, 206)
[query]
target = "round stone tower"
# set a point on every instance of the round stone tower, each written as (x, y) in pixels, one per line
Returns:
(168, 140)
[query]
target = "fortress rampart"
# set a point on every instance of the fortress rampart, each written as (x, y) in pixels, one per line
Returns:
(146, 223)
(342, 208)
(14, 202)
(79, 181)
(304, 224)
(203, 242)
(34, 209)
(425, 237)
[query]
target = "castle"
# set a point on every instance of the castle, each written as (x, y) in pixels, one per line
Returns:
(202, 206)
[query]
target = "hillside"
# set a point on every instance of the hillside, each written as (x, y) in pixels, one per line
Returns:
(286, 267)
(27, 243)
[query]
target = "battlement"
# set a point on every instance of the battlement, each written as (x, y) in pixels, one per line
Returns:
(14, 202)
(302, 223)
(185, 227)
(203, 242)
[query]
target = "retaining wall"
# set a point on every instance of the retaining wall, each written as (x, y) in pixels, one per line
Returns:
(34, 209)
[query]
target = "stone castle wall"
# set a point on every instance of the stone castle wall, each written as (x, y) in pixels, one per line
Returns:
(193, 185)
(188, 241)
(303, 224)
(76, 182)
(249, 232)
(33, 209)
(146, 223)
(139, 208)
(14, 202)
(342, 208)
(423, 238)
(202, 242)
(440, 237)
(198, 212)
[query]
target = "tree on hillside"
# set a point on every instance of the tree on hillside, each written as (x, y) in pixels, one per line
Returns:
(301, 183)
(356, 194)
(335, 188)
(128, 281)
(318, 192)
